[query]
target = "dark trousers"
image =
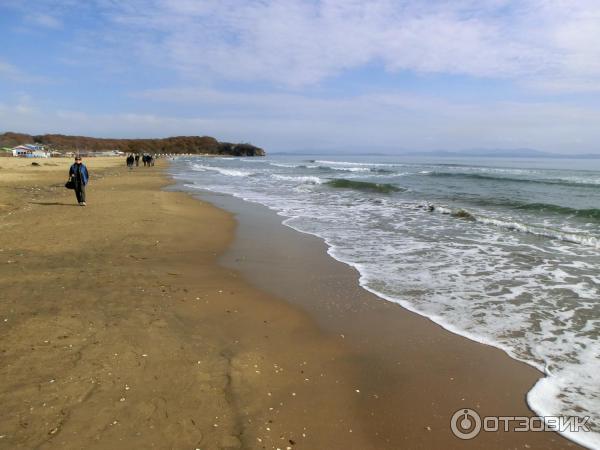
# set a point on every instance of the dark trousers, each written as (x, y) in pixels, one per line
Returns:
(80, 192)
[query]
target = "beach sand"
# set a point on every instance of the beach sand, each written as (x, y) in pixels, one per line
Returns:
(122, 326)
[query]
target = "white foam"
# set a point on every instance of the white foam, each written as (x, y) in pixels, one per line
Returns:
(348, 163)
(581, 180)
(523, 295)
(351, 169)
(544, 397)
(227, 172)
(302, 180)
(287, 166)
(576, 237)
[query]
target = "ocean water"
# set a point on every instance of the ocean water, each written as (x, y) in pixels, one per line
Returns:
(502, 252)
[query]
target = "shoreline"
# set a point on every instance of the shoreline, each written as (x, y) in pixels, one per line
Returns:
(263, 232)
(130, 324)
(120, 330)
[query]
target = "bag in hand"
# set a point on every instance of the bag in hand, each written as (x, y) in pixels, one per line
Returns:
(70, 184)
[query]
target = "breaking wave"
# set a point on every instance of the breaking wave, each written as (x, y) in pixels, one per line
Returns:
(383, 188)
(514, 225)
(572, 182)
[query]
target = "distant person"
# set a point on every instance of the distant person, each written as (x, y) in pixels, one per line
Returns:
(151, 159)
(137, 160)
(79, 175)
(130, 161)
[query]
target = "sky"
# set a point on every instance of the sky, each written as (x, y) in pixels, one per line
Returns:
(291, 75)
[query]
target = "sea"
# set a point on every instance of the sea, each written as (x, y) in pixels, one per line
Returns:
(502, 251)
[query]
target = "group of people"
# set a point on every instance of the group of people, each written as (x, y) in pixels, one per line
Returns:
(147, 160)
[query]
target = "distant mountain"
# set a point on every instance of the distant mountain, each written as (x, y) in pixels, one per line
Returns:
(172, 145)
(500, 153)
(472, 153)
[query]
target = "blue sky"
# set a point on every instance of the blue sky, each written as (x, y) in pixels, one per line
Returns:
(380, 75)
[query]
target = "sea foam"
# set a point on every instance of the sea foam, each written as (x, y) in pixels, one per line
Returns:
(523, 280)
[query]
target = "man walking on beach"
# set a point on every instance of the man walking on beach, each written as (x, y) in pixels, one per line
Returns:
(78, 173)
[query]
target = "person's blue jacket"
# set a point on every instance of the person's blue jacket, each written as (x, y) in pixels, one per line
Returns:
(84, 173)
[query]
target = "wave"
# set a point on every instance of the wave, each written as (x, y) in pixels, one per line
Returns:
(513, 225)
(227, 172)
(251, 159)
(546, 208)
(376, 170)
(359, 169)
(587, 213)
(384, 188)
(346, 169)
(550, 181)
(354, 168)
(348, 163)
(287, 166)
(301, 180)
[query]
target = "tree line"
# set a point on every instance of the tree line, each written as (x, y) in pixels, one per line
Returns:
(172, 145)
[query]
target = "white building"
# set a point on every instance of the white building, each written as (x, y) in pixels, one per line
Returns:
(30, 151)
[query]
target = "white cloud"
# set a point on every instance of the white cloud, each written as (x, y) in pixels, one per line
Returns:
(298, 43)
(9, 71)
(44, 20)
(13, 73)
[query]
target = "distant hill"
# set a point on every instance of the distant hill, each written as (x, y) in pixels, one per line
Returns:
(178, 144)
(515, 153)
(501, 153)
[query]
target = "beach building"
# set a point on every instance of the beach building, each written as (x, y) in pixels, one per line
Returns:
(30, 151)
(20, 150)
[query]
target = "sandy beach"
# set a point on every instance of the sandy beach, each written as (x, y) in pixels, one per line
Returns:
(150, 319)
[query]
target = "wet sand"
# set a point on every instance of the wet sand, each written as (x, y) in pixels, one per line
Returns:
(126, 324)
(414, 374)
